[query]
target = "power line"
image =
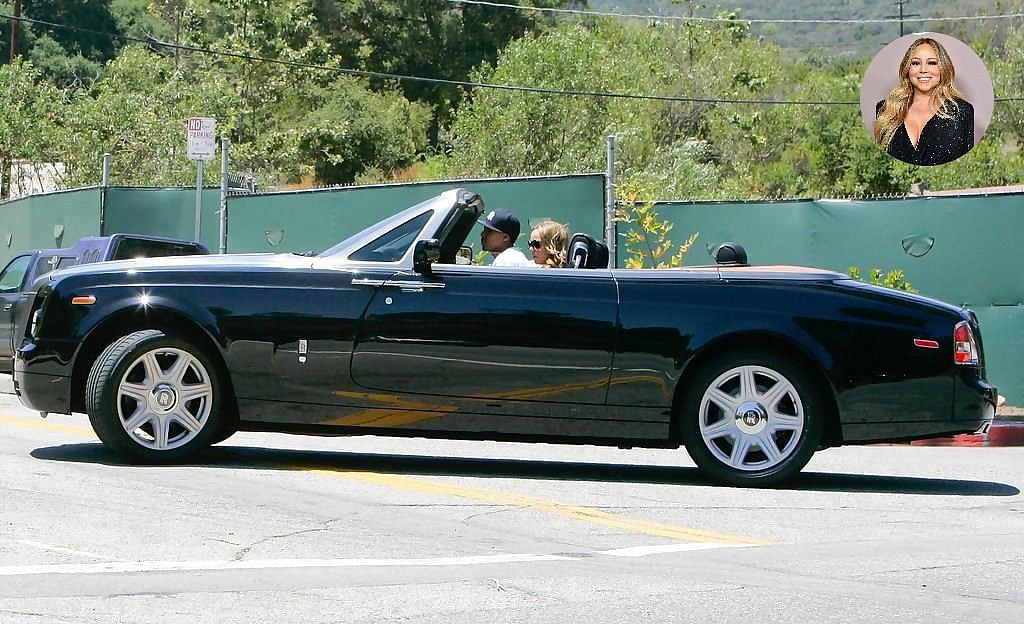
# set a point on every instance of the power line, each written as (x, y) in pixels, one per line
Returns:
(153, 41)
(683, 18)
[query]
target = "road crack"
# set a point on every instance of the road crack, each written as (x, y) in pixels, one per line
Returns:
(247, 549)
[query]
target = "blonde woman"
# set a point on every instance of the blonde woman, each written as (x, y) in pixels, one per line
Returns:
(925, 120)
(549, 244)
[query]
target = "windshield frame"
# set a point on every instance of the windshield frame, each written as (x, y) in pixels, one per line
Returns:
(441, 206)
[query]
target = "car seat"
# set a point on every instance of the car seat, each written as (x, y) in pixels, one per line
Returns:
(586, 252)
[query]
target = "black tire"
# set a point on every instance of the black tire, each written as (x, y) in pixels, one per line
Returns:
(153, 397)
(767, 434)
(225, 432)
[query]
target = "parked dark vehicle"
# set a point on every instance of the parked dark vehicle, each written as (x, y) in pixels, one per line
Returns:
(752, 368)
(24, 269)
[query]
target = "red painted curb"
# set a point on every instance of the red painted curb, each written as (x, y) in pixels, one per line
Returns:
(1006, 434)
(963, 439)
(999, 434)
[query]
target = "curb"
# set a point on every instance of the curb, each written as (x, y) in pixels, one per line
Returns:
(1006, 433)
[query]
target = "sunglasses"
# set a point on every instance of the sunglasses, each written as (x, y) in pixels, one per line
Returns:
(535, 244)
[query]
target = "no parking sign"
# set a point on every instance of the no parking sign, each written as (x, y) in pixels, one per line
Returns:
(201, 137)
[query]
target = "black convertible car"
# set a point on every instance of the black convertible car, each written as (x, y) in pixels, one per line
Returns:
(751, 368)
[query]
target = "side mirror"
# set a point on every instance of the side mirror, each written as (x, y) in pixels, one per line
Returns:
(425, 253)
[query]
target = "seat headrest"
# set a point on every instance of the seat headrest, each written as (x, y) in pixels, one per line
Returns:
(586, 252)
(731, 253)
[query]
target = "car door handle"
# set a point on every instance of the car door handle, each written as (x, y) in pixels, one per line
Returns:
(8, 306)
(362, 281)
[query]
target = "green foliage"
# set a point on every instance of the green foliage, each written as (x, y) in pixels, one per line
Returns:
(509, 132)
(647, 240)
(503, 132)
(382, 129)
(297, 122)
(61, 68)
(92, 19)
(423, 38)
(891, 279)
(137, 112)
(28, 122)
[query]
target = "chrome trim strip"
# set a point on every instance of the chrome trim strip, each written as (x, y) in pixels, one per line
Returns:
(362, 281)
(409, 284)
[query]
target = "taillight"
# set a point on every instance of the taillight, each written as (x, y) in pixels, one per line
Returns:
(35, 322)
(965, 349)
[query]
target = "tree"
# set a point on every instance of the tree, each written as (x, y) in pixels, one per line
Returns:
(28, 116)
(351, 132)
(431, 38)
(501, 132)
(646, 239)
(137, 112)
(92, 18)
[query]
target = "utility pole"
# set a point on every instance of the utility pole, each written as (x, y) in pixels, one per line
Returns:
(902, 15)
(15, 24)
(6, 164)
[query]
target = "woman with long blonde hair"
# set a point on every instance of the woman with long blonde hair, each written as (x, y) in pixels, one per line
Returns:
(549, 244)
(925, 120)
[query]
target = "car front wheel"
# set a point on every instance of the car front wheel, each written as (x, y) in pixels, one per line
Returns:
(153, 397)
(751, 418)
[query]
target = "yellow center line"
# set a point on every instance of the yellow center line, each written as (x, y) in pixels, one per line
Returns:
(573, 512)
(47, 426)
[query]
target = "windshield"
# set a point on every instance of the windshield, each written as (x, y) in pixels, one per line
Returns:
(441, 202)
(392, 245)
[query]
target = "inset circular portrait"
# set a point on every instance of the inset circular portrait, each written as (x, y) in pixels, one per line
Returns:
(926, 99)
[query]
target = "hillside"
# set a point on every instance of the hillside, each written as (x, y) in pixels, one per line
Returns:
(848, 41)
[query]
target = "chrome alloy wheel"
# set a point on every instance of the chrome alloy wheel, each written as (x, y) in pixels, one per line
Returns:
(164, 398)
(751, 418)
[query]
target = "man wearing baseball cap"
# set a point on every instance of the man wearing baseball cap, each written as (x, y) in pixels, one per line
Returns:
(501, 229)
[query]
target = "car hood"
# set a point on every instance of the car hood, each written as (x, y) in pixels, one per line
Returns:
(190, 263)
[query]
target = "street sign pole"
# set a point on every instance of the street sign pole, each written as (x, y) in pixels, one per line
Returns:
(201, 138)
(199, 198)
(223, 195)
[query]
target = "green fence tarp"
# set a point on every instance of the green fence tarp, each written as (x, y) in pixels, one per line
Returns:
(958, 249)
(163, 212)
(48, 220)
(316, 220)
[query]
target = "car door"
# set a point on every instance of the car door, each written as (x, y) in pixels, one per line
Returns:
(516, 340)
(11, 284)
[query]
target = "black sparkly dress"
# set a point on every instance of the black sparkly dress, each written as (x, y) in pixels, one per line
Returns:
(942, 140)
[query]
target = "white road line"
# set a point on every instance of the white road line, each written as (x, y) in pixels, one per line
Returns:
(643, 551)
(121, 567)
(69, 551)
(129, 567)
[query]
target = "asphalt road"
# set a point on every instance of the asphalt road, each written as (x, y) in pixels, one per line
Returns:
(274, 528)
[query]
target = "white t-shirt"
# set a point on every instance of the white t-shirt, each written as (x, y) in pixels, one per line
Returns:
(512, 257)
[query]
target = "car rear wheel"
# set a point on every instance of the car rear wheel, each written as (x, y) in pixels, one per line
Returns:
(752, 418)
(154, 397)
